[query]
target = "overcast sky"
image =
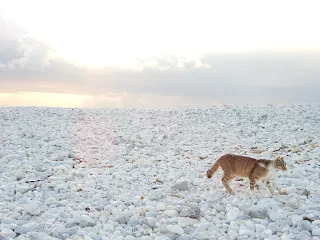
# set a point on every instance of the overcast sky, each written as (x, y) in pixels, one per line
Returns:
(158, 54)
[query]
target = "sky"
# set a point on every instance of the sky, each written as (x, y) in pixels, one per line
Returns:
(158, 54)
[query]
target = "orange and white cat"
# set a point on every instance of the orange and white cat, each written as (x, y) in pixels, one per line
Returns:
(254, 169)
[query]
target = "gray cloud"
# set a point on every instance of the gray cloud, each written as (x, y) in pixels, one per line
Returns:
(9, 40)
(248, 78)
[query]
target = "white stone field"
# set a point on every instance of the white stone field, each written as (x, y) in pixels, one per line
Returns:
(140, 174)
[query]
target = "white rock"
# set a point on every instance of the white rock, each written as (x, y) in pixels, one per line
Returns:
(20, 174)
(51, 201)
(152, 221)
(296, 150)
(184, 222)
(130, 237)
(316, 232)
(22, 188)
(20, 230)
(175, 229)
(7, 233)
(293, 203)
(274, 216)
(32, 208)
(182, 185)
(260, 228)
(39, 236)
(161, 207)
(86, 221)
(145, 238)
(156, 194)
(267, 232)
(199, 235)
(171, 213)
(162, 237)
(8, 221)
(285, 237)
(304, 225)
(233, 214)
(31, 226)
(62, 187)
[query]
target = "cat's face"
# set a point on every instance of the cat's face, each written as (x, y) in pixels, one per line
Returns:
(280, 164)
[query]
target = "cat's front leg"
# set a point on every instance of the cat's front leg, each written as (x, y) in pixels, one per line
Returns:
(269, 186)
(253, 181)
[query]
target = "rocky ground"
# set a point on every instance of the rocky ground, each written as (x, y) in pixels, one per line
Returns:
(139, 174)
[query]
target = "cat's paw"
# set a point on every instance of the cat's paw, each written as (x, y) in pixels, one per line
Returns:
(230, 192)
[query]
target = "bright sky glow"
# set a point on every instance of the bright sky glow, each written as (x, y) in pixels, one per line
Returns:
(119, 33)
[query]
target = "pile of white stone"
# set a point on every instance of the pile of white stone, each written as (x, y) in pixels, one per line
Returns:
(139, 174)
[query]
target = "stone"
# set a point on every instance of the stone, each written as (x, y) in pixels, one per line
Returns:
(8, 233)
(162, 237)
(181, 185)
(86, 221)
(316, 232)
(285, 237)
(190, 212)
(156, 194)
(175, 229)
(293, 203)
(273, 216)
(255, 212)
(32, 209)
(199, 235)
(22, 188)
(185, 221)
(31, 226)
(152, 221)
(171, 213)
(39, 236)
(20, 230)
(304, 225)
(20, 174)
(50, 201)
(260, 228)
(233, 214)
(305, 192)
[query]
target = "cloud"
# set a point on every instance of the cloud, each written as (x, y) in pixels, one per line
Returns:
(28, 65)
(31, 55)
(173, 62)
(18, 51)
(9, 40)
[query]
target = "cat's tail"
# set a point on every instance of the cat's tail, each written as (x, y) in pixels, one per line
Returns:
(213, 169)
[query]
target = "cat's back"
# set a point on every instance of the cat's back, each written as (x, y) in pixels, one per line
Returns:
(237, 164)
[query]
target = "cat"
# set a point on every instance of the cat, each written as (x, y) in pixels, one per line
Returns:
(254, 169)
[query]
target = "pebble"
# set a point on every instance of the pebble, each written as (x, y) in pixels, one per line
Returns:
(51, 201)
(316, 232)
(156, 195)
(181, 185)
(86, 221)
(47, 194)
(171, 213)
(22, 189)
(185, 221)
(191, 212)
(175, 229)
(32, 208)
(233, 214)
(260, 228)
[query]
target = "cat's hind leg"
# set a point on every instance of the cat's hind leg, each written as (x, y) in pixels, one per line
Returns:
(225, 181)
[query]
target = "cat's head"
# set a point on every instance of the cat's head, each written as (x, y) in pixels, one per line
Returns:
(280, 164)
